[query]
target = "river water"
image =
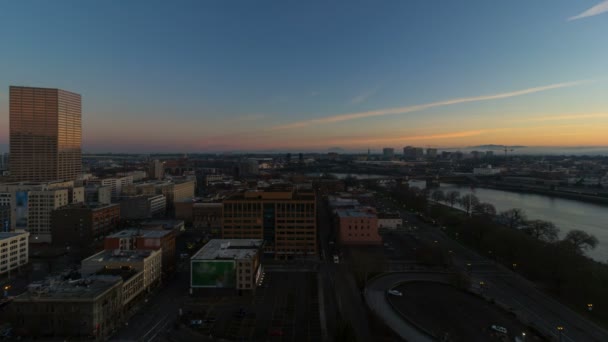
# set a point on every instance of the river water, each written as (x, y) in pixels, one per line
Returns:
(566, 214)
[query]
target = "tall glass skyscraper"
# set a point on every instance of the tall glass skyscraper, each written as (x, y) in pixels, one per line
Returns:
(45, 134)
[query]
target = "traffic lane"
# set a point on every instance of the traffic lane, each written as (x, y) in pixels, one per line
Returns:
(447, 311)
(350, 303)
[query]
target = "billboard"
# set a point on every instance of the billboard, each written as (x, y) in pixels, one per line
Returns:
(213, 273)
(21, 208)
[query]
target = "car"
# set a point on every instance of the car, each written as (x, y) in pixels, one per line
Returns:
(395, 293)
(196, 322)
(498, 328)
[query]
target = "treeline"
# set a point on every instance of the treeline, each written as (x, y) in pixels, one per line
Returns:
(529, 247)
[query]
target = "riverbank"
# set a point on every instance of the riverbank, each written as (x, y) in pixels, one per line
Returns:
(547, 192)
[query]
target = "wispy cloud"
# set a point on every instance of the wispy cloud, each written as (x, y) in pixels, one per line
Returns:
(416, 108)
(363, 96)
(565, 117)
(450, 135)
(600, 8)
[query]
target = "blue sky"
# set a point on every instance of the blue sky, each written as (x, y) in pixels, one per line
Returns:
(247, 75)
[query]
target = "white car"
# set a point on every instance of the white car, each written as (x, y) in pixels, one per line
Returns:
(500, 329)
(395, 293)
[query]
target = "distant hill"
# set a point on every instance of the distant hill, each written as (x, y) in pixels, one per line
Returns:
(495, 147)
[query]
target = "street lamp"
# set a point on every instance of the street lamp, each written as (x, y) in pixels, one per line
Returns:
(560, 329)
(514, 266)
(523, 336)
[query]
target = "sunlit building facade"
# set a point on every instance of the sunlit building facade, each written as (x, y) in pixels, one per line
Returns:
(45, 134)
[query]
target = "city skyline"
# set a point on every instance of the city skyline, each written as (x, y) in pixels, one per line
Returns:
(314, 76)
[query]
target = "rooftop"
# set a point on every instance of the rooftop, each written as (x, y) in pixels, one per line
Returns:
(354, 213)
(228, 249)
(7, 235)
(80, 289)
(120, 255)
(146, 233)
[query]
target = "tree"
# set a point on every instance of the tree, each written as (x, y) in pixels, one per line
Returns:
(438, 196)
(513, 218)
(468, 202)
(580, 241)
(484, 209)
(542, 230)
(452, 197)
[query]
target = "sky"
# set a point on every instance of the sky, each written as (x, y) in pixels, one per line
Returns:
(212, 76)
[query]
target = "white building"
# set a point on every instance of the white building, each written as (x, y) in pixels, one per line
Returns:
(116, 184)
(486, 171)
(13, 250)
(389, 221)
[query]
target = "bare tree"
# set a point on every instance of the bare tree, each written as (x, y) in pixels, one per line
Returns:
(484, 209)
(580, 241)
(438, 196)
(452, 197)
(468, 202)
(514, 218)
(542, 230)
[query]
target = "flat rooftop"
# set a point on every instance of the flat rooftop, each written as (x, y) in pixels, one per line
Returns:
(7, 235)
(120, 256)
(218, 249)
(146, 233)
(81, 289)
(354, 213)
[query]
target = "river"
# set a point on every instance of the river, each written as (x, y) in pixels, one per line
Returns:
(566, 214)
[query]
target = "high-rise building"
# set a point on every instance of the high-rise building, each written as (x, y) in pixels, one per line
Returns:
(156, 169)
(45, 134)
(388, 153)
(281, 216)
(431, 153)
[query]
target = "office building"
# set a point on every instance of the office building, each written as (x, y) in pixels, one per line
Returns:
(4, 164)
(13, 250)
(156, 169)
(281, 216)
(116, 184)
(145, 239)
(227, 263)
(413, 153)
(388, 153)
(79, 225)
(358, 227)
(85, 309)
(142, 207)
(174, 190)
(5, 217)
(45, 134)
(431, 153)
(147, 261)
(95, 194)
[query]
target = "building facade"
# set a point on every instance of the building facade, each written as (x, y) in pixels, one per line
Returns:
(13, 250)
(227, 263)
(143, 207)
(86, 309)
(45, 134)
(80, 224)
(283, 218)
(146, 239)
(357, 227)
(147, 261)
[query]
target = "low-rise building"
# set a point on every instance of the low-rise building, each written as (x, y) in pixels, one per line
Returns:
(145, 239)
(389, 221)
(13, 250)
(147, 261)
(208, 218)
(486, 171)
(358, 227)
(227, 263)
(89, 308)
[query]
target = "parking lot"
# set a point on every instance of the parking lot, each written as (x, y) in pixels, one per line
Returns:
(284, 308)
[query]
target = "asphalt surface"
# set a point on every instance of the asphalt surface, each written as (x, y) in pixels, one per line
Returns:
(512, 291)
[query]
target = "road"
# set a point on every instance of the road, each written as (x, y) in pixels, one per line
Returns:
(340, 290)
(156, 316)
(513, 291)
